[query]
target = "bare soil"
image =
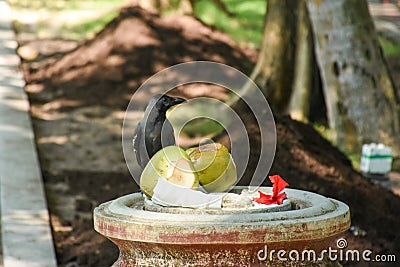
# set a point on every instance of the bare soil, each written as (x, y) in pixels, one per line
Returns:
(78, 100)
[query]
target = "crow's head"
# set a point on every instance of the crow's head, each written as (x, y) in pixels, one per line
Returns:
(164, 102)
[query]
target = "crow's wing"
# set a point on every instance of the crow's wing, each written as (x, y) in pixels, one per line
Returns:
(168, 138)
(159, 135)
(139, 146)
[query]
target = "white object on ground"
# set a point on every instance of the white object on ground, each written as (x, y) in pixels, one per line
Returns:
(170, 195)
(376, 158)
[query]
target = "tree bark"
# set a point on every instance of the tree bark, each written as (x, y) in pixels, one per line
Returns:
(286, 69)
(299, 107)
(274, 69)
(362, 103)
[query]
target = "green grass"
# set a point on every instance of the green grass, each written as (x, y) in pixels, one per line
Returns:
(63, 5)
(196, 120)
(64, 19)
(202, 127)
(389, 48)
(68, 19)
(88, 29)
(245, 27)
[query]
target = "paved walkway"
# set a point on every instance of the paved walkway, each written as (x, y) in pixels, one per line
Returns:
(25, 228)
(26, 236)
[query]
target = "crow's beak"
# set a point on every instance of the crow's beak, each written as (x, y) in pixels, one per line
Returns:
(177, 100)
(174, 103)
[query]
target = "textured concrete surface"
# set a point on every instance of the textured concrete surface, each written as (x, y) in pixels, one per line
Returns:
(182, 239)
(25, 229)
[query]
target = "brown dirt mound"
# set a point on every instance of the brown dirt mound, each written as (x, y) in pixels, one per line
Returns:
(311, 163)
(107, 69)
(135, 45)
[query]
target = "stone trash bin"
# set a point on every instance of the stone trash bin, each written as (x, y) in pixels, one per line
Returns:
(159, 236)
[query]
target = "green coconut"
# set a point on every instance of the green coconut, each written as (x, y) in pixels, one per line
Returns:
(170, 163)
(214, 166)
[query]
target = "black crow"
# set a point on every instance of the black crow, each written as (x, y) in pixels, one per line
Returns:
(147, 140)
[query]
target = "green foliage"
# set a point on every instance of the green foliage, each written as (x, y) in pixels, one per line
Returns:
(89, 28)
(62, 5)
(390, 48)
(245, 27)
(202, 127)
(193, 124)
(69, 19)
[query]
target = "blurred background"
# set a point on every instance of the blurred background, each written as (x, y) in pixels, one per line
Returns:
(329, 69)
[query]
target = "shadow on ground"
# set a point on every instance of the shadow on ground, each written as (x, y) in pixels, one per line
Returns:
(78, 104)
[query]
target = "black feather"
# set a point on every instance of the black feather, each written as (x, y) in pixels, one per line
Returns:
(148, 139)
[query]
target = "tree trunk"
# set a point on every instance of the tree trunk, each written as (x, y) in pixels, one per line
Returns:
(299, 101)
(361, 100)
(274, 69)
(286, 70)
